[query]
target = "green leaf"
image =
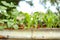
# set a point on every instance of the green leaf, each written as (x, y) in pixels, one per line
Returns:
(4, 13)
(8, 4)
(5, 3)
(14, 13)
(10, 24)
(12, 5)
(4, 20)
(2, 8)
(28, 20)
(15, 27)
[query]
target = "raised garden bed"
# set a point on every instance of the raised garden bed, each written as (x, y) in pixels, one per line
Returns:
(11, 19)
(45, 33)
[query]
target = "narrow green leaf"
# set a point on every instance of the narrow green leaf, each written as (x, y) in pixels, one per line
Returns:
(15, 27)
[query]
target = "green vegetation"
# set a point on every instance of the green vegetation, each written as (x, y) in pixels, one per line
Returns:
(10, 18)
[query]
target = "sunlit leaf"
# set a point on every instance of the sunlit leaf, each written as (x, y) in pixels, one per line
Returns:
(15, 27)
(2, 8)
(7, 4)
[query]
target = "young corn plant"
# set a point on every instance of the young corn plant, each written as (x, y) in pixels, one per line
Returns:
(40, 21)
(35, 20)
(27, 20)
(50, 19)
